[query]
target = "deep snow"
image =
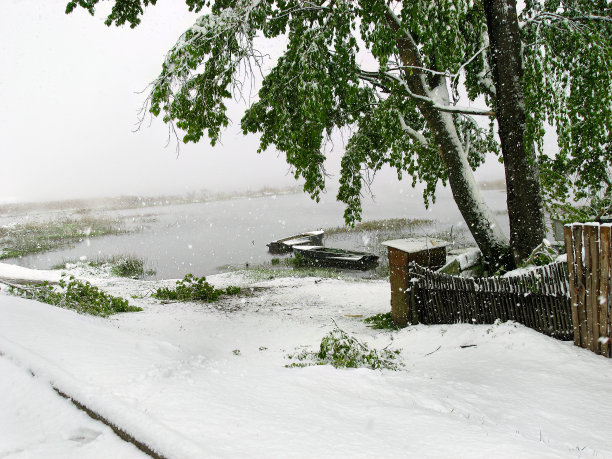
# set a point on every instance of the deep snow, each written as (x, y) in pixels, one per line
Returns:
(169, 376)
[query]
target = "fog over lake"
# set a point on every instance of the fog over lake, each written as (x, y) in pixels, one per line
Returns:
(74, 138)
(210, 237)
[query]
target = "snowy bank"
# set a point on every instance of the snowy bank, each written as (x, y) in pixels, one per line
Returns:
(9, 272)
(193, 380)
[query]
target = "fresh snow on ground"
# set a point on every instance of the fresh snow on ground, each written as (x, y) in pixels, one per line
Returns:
(10, 272)
(36, 422)
(209, 380)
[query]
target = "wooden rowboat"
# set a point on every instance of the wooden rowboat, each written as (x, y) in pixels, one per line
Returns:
(286, 244)
(339, 258)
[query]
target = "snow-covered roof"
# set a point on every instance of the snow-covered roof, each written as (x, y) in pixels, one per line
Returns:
(416, 244)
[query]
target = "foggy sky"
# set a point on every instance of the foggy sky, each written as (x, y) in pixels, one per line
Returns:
(69, 103)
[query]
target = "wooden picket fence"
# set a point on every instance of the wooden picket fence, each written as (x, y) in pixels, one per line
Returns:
(588, 258)
(538, 299)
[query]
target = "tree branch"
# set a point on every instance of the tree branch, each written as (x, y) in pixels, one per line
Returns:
(466, 63)
(411, 132)
(410, 56)
(437, 105)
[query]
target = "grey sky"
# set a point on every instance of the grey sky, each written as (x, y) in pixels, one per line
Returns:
(68, 106)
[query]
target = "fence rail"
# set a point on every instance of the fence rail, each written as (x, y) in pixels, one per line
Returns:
(538, 299)
(588, 257)
(570, 300)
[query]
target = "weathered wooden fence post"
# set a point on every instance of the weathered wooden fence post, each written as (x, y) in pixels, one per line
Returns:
(588, 257)
(402, 252)
(574, 275)
(604, 291)
(400, 283)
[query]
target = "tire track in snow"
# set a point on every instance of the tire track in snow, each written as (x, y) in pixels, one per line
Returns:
(121, 433)
(125, 436)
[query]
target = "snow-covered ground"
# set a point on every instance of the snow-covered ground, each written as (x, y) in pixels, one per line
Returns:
(194, 380)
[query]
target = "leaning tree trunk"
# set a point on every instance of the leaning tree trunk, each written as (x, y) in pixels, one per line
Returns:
(479, 218)
(524, 197)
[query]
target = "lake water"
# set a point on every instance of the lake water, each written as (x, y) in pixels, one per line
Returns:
(206, 238)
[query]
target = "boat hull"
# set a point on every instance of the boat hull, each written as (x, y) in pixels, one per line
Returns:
(286, 244)
(336, 258)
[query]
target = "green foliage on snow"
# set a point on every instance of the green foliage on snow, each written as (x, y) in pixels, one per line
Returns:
(119, 265)
(193, 288)
(77, 295)
(341, 350)
(129, 266)
(381, 321)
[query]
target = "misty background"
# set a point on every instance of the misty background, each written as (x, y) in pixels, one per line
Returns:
(70, 92)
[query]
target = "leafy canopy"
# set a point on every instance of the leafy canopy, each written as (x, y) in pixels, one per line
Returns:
(568, 84)
(341, 69)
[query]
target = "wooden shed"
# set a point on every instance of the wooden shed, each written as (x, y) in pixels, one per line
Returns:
(423, 250)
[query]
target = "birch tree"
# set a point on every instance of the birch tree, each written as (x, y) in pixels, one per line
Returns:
(402, 107)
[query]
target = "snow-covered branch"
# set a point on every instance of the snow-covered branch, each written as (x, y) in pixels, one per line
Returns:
(308, 6)
(435, 104)
(414, 67)
(392, 16)
(485, 77)
(411, 132)
(547, 15)
(411, 58)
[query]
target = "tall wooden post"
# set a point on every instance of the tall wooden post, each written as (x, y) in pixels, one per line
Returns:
(402, 252)
(589, 264)
(400, 283)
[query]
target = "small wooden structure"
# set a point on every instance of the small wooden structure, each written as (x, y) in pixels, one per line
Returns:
(589, 259)
(402, 252)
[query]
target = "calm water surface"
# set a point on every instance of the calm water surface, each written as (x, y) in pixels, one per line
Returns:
(206, 238)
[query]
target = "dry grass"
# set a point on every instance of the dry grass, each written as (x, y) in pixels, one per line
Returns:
(25, 239)
(389, 224)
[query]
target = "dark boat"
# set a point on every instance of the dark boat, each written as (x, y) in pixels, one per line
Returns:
(338, 258)
(286, 244)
